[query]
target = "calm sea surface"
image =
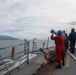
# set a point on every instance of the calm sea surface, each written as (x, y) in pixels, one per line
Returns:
(7, 51)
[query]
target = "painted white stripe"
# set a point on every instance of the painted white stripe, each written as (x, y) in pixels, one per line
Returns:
(68, 61)
(71, 55)
(69, 58)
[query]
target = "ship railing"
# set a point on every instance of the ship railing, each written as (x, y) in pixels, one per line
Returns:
(36, 44)
(18, 56)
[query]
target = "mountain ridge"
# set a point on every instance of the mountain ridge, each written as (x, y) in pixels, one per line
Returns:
(4, 37)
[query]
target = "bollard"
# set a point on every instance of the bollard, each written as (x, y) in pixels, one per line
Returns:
(12, 53)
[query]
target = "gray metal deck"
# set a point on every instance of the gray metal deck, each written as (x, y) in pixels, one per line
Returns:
(28, 69)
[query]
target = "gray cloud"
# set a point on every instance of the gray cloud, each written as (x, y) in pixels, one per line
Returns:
(12, 30)
(18, 6)
(9, 29)
(72, 23)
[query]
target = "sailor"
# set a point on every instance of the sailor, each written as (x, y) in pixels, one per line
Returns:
(66, 43)
(72, 39)
(60, 49)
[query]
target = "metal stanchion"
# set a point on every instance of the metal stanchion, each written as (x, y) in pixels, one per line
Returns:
(5, 65)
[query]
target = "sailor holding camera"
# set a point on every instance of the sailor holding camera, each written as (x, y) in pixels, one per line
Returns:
(60, 49)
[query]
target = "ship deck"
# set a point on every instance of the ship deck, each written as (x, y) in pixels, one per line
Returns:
(29, 69)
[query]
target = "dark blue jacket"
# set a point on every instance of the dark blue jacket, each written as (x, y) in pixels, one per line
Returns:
(72, 36)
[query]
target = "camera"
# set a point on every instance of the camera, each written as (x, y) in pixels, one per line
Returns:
(52, 31)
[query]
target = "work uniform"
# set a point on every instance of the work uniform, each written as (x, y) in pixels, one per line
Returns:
(72, 39)
(66, 43)
(60, 49)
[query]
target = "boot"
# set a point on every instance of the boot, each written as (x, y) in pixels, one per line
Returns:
(63, 63)
(59, 65)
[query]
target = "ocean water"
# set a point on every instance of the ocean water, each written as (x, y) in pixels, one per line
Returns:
(6, 43)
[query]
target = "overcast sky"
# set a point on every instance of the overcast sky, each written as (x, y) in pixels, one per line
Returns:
(34, 18)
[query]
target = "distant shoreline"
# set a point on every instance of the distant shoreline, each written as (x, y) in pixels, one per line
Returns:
(2, 37)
